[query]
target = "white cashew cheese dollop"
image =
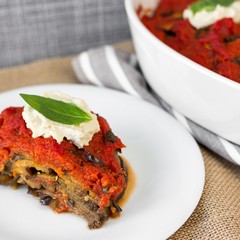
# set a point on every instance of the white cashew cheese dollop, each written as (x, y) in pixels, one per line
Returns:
(205, 18)
(80, 134)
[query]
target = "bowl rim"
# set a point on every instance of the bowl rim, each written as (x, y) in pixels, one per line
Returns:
(159, 44)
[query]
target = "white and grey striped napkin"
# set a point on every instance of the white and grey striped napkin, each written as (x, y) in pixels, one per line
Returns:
(111, 68)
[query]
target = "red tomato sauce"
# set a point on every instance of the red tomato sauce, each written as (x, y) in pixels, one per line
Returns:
(16, 138)
(216, 47)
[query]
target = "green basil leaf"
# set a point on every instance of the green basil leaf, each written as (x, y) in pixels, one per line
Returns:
(209, 5)
(57, 111)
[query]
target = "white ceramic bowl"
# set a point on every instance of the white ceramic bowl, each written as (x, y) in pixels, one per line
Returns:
(205, 97)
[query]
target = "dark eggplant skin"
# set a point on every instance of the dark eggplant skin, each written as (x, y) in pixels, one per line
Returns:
(45, 200)
(124, 167)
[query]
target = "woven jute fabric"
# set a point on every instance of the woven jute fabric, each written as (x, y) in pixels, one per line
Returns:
(217, 215)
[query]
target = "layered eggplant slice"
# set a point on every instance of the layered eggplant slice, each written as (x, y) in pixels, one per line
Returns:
(87, 181)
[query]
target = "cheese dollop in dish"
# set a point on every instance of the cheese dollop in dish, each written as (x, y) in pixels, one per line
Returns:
(67, 155)
(205, 31)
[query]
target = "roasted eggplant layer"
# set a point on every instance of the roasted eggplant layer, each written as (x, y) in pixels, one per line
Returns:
(88, 181)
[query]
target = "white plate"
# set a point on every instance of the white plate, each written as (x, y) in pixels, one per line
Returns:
(166, 160)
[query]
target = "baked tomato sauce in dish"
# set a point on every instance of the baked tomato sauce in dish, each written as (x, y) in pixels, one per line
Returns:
(87, 180)
(216, 47)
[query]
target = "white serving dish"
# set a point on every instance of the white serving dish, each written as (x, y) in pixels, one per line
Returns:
(205, 97)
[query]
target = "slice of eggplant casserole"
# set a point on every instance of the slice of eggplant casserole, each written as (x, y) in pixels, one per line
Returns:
(86, 181)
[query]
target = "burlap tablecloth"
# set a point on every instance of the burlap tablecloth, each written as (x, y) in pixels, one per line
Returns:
(217, 215)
